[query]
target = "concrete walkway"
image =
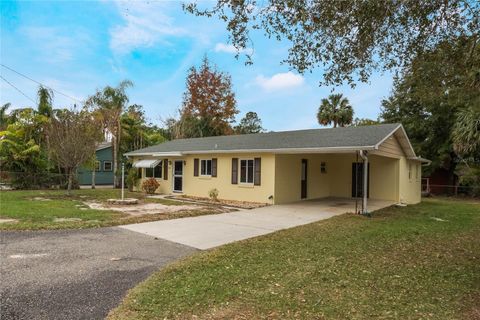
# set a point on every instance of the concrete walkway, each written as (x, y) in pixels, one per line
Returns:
(205, 232)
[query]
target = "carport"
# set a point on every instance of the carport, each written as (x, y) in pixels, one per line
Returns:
(340, 175)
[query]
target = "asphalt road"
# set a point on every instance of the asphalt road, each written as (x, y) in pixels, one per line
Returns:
(75, 274)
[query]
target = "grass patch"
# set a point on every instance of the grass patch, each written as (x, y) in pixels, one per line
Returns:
(54, 209)
(403, 263)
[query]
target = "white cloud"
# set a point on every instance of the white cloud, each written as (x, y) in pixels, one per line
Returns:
(230, 48)
(56, 45)
(280, 81)
(145, 24)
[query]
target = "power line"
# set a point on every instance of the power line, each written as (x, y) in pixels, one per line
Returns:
(18, 90)
(43, 85)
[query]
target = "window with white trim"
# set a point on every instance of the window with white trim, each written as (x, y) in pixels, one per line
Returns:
(155, 172)
(107, 166)
(97, 166)
(206, 167)
(246, 171)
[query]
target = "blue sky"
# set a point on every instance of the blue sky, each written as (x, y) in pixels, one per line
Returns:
(79, 46)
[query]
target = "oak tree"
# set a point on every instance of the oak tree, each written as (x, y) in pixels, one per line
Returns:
(349, 39)
(209, 106)
(74, 136)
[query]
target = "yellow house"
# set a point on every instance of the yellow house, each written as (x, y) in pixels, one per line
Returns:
(283, 167)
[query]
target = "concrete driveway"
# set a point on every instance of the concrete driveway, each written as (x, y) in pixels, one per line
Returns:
(75, 274)
(205, 232)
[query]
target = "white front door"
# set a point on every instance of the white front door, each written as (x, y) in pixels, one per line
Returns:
(178, 176)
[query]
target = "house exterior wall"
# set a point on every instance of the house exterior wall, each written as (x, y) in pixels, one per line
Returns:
(384, 178)
(410, 183)
(288, 171)
(201, 185)
(409, 171)
(101, 176)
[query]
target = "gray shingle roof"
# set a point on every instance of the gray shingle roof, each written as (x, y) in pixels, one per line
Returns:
(103, 145)
(349, 137)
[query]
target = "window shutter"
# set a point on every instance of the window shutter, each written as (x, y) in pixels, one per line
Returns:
(214, 167)
(258, 172)
(165, 169)
(195, 167)
(234, 170)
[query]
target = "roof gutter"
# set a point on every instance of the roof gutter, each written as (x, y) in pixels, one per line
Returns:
(424, 161)
(154, 154)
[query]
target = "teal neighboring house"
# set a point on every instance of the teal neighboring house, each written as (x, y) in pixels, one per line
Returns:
(103, 170)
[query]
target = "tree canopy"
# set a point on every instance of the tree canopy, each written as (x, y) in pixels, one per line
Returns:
(251, 123)
(137, 133)
(45, 98)
(436, 98)
(349, 39)
(73, 139)
(358, 122)
(209, 106)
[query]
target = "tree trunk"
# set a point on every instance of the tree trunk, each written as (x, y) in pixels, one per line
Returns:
(47, 138)
(93, 174)
(70, 181)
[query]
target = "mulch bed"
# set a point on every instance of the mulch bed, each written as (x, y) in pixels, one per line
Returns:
(220, 202)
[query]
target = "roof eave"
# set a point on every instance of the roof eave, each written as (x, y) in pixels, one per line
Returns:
(279, 150)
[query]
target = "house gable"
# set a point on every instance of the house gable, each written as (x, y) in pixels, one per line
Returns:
(396, 145)
(390, 148)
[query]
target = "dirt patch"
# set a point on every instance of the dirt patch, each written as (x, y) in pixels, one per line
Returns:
(144, 208)
(67, 219)
(40, 199)
(8, 220)
(221, 202)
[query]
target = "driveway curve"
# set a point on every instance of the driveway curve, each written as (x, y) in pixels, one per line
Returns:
(76, 274)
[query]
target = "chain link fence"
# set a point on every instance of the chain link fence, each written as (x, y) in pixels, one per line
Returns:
(449, 190)
(34, 180)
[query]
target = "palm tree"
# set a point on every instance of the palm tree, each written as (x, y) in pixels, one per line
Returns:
(466, 131)
(336, 109)
(45, 98)
(109, 104)
(4, 118)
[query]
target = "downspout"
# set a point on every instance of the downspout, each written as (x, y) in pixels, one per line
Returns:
(363, 155)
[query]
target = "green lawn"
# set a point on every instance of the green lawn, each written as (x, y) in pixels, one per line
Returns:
(32, 213)
(415, 262)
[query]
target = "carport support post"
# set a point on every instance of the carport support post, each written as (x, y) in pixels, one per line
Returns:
(123, 179)
(363, 154)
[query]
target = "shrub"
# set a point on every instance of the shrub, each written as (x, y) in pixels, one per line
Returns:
(132, 178)
(213, 194)
(150, 185)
